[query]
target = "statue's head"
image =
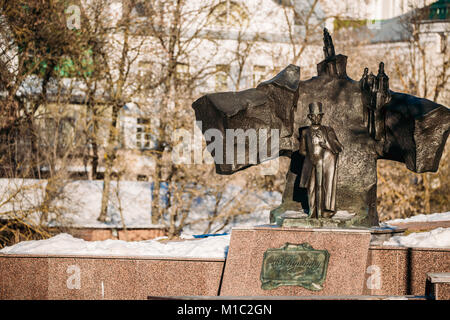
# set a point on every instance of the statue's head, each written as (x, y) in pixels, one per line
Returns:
(315, 113)
(381, 67)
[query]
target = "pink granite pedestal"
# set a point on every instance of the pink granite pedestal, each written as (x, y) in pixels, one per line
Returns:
(348, 249)
(96, 278)
(355, 269)
(399, 271)
(439, 284)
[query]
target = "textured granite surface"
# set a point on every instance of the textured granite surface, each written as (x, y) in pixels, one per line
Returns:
(422, 226)
(438, 285)
(442, 291)
(23, 278)
(355, 268)
(85, 277)
(348, 255)
(403, 271)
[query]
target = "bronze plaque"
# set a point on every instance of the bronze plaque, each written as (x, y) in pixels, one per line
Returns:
(294, 265)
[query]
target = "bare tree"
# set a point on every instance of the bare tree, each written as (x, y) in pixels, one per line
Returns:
(114, 52)
(34, 49)
(424, 71)
(419, 65)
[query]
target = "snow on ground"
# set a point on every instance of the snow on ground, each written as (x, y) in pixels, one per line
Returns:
(210, 247)
(436, 238)
(65, 244)
(133, 199)
(258, 204)
(81, 201)
(445, 216)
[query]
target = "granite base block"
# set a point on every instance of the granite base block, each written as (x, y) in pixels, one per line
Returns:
(422, 226)
(97, 278)
(75, 278)
(355, 268)
(348, 251)
(442, 291)
(438, 285)
(402, 271)
(23, 278)
(179, 278)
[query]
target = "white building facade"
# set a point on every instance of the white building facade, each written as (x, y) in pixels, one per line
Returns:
(246, 42)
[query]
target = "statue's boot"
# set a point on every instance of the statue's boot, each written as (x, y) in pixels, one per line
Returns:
(328, 213)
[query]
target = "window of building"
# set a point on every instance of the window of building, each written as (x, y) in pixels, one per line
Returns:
(259, 72)
(287, 3)
(182, 71)
(443, 43)
(222, 72)
(144, 67)
(142, 177)
(60, 132)
(228, 13)
(143, 133)
(276, 70)
(140, 9)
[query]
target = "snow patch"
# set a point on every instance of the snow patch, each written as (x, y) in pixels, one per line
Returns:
(436, 238)
(209, 247)
(65, 244)
(444, 216)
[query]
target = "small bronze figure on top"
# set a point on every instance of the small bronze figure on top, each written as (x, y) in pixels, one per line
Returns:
(375, 95)
(382, 97)
(321, 148)
(328, 50)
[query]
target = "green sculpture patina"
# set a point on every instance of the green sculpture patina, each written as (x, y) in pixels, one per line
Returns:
(294, 265)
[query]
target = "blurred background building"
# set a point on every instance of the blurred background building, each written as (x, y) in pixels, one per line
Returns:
(98, 93)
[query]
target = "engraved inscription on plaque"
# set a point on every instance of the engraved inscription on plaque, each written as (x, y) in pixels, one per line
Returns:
(294, 265)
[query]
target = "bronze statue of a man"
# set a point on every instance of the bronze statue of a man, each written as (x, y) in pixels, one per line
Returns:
(321, 148)
(382, 97)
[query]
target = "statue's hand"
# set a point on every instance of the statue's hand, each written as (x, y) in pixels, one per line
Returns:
(326, 147)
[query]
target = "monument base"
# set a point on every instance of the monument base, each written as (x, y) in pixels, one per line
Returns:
(389, 271)
(280, 261)
(292, 219)
(310, 222)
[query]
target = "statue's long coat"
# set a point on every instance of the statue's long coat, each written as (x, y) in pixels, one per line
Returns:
(329, 182)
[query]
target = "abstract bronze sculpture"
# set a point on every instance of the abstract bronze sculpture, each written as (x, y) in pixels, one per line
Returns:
(370, 121)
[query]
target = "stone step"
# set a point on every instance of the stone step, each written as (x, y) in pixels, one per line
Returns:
(438, 285)
(422, 226)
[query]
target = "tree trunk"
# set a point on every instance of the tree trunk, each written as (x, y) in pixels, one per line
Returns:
(105, 194)
(110, 156)
(156, 210)
(94, 162)
(95, 157)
